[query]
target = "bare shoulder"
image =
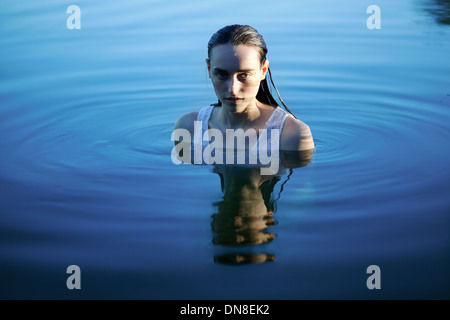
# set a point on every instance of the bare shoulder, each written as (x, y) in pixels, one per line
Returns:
(296, 135)
(186, 121)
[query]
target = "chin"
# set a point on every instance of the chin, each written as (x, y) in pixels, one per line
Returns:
(233, 104)
(230, 107)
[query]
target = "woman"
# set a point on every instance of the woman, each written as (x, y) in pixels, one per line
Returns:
(238, 67)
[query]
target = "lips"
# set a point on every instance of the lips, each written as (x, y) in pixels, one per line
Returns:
(234, 99)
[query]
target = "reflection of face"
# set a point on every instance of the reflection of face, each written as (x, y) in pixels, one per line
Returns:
(237, 223)
(236, 73)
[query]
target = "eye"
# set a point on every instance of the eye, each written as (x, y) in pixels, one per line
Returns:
(244, 76)
(221, 75)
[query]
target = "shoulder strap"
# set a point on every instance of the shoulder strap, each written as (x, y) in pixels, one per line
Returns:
(277, 119)
(266, 144)
(203, 116)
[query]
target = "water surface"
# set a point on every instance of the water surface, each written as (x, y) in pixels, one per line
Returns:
(87, 179)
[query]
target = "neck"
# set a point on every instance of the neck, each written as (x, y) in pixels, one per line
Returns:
(240, 117)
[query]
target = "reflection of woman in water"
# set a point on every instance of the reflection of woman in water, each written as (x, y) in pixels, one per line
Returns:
(245, 212)
(238, 68)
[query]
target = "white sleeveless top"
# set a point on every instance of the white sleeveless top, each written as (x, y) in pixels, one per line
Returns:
(269, 144)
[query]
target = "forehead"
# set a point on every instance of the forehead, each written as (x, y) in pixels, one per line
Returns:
(228, 56)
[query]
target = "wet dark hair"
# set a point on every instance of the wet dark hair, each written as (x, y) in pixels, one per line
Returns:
(237, 34)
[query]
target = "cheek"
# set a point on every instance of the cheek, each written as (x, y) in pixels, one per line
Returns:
(218, 85)
(252, 86)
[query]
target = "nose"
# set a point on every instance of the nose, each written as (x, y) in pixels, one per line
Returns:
(233, 85)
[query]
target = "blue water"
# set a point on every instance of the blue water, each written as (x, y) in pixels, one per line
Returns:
(87, 179)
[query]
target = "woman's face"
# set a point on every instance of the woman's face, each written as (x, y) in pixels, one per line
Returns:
(236, 73)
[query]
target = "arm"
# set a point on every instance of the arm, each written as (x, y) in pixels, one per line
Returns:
(182, 136)
(186, 121)
(297, 144)
(296, 136)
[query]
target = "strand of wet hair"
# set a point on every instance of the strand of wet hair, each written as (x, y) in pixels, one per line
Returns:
(279, 96)
(275, 201)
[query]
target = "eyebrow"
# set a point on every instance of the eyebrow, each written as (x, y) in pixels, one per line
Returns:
(241, 70)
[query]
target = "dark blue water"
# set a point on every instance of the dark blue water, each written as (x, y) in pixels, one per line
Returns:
(87, 179)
